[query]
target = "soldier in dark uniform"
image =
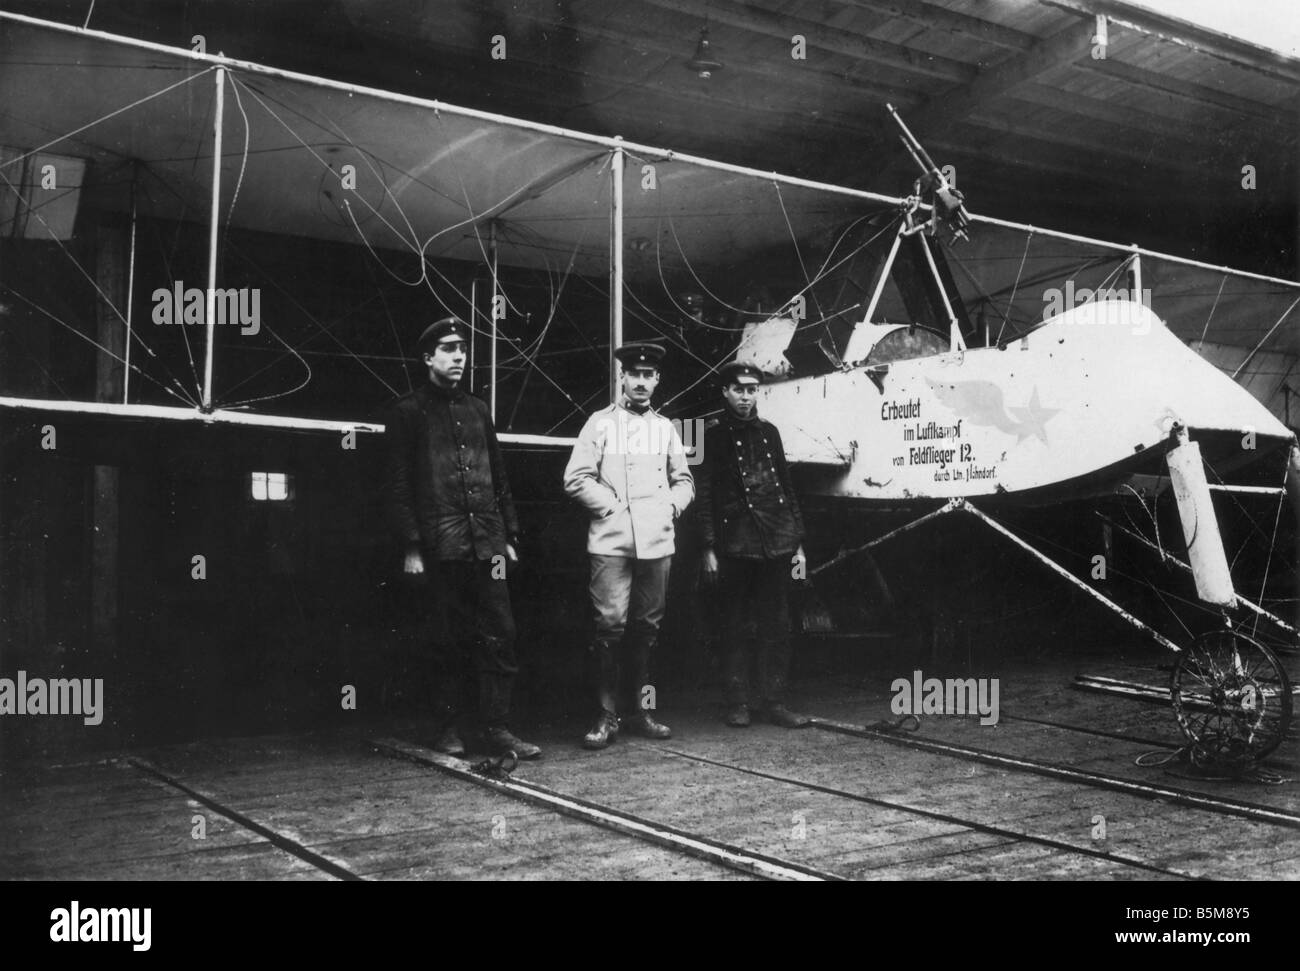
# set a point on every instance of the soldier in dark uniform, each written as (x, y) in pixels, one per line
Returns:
(752, 533)
(452, 510)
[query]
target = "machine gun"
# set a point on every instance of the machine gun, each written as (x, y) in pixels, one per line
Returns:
(946, 203)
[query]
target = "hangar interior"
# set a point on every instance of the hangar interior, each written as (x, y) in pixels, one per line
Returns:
(1100, 119)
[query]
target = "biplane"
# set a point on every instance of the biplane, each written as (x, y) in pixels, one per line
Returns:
(922, 358)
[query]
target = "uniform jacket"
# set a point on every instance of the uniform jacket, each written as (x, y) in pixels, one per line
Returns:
(630, 471)
(447, 486)
(747, 507)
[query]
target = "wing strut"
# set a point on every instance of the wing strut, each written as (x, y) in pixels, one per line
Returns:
(218, 119)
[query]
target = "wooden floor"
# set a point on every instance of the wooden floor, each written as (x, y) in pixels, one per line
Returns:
(328, 806)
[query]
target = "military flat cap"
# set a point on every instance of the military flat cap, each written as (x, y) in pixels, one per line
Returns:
(738, 369)
(436, 331)
(639, 354)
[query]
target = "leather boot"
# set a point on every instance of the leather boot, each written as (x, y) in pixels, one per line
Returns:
(603, 672)
(779, 714)
(500, 741)
(642, 724)
(638, 648)
(603, 732)
(449, 742)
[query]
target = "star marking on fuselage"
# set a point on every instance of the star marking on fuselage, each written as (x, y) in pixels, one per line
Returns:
(1032, 419)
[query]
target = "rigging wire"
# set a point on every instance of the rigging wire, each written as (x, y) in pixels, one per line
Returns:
(556, 293)
(793, 238)
(825, 272)
(417, 251)
(346, 205)
(1250, 520)
(103, 118)
(281, 394)
(1029, 237)
(243, 160)
(167, 264)
(1263, 340)
(649, 319)
(392, 326)
(131, 332)
(1268, 563)
(1206, 329)
(1166, 604)
(235, 250)
(1127, 576)
(90, 340)
(579, 408)
(327, 331)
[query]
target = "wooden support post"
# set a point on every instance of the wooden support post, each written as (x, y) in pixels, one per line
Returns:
(26, 479)
(112, 267)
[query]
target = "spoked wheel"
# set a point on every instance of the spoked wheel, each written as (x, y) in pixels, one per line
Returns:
(1231, 698)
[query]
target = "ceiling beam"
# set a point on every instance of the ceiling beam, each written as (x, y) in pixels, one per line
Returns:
(1193, 37)
(1075, 171)
(960, 102)
(756, 19)
(1028, 184)
(941, 19)
(526, 88)
(1097, 109)
(601, 94)
(1142, 125)
(1052, 164)
(1198, 94)
(795, 74)
(1081, 145)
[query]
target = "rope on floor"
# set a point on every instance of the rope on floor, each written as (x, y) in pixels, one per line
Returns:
(1203, 767)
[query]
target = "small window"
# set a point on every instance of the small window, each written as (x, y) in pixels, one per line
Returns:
(272, 486)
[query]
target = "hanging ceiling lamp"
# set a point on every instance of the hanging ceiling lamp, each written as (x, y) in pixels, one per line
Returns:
(704, 63)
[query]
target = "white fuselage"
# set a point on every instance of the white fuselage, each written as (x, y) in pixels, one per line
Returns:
(1082, 393)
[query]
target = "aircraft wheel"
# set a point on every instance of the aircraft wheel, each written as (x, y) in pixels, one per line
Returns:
(1231, 697)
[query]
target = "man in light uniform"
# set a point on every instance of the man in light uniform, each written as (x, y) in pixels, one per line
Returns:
(629, 470)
